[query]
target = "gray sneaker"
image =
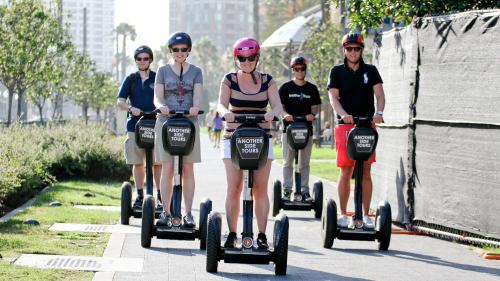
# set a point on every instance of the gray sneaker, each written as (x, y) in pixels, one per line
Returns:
(164, 220)
(188, 221)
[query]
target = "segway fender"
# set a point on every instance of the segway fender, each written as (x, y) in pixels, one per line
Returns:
(279, 228)
(384, 210)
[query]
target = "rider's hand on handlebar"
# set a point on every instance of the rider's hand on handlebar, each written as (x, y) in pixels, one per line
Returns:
(348, 119)
(269, 116)
(135, 111)
(310, 117)
(378, 119)
(193, 111)
(164, 110)
(288, 118)
(229, 117)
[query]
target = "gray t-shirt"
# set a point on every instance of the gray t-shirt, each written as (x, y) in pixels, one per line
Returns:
(179, 94)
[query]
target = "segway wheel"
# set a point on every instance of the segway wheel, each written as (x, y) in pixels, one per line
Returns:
(280, 242)
(205, 209)
(383, 219)
(148, 219)
(318, 199)
(329, 223)
(213, 241)
(276, 198)
(126, 203)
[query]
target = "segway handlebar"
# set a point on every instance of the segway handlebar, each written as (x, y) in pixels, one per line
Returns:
(150, 114)
(183, 112)
(300, 119)
(358, 120)
(250, 119)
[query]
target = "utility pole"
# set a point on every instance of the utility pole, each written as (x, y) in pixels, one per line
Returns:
(84, 104)
(58, 103)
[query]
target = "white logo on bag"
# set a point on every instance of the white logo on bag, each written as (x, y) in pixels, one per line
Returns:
(365, 76)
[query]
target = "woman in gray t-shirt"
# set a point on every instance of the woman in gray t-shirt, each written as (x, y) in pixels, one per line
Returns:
(178, 86)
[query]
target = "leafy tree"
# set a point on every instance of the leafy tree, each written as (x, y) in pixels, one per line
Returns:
(103, 90)
(125, 30)
(365, 14)
(205, 55)
(79, 75)
(278, 12)
(31, 39)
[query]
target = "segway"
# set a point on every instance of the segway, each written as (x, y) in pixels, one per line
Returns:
(361, 143)
(145, 138)
(178, 134)
(249, 151)
(297, 135)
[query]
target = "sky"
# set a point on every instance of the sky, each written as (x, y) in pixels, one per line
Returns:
(150, 19)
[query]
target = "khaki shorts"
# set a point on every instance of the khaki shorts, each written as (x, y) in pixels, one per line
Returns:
(135, 155)
(163, 156)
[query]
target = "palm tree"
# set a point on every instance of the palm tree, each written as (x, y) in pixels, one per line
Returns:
(124, 29)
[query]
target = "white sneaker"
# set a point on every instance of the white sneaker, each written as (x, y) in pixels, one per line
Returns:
(343, 221)
(368, 222)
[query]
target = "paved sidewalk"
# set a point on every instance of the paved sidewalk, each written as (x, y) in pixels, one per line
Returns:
(408, 258)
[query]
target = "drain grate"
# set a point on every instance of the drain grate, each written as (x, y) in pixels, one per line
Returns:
(85, 263)
(98, 208)
(95, 228)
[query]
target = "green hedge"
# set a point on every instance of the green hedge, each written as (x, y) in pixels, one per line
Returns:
(32, 158)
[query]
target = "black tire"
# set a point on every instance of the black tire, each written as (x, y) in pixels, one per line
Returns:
(213, 241)
(126, 203)
(384, 218)
(205, 209)
(329, 223)
(318, 199)
(276, 198)
(280, 243)
(148, 219)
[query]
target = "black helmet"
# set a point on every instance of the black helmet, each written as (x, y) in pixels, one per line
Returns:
(143, 49)
(179, 38)
(353, 38)
(298, 60)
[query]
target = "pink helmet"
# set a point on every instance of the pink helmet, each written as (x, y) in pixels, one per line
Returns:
(246, 46)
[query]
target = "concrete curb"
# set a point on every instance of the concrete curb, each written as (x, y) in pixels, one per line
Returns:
(21, 208)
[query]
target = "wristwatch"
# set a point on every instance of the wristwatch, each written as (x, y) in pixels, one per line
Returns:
(380, 113)
(129, 108)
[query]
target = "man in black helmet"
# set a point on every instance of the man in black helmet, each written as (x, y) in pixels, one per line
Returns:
(136, 95)
(299, 98)
(353, 87)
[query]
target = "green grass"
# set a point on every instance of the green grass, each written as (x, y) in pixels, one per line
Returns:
(491, 249)
(17, 238)
(324, 168)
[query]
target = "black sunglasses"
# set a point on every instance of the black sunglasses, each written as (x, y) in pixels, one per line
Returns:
(176, 50)
(250, 58)
(299, 69)
(350, 49)
(142, 59)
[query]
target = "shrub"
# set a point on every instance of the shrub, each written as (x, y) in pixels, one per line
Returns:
(32, 158)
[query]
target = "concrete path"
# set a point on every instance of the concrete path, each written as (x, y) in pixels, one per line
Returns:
(408, 258)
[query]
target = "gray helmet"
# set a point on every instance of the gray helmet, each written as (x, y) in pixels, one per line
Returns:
(143, 49)
(179, 38)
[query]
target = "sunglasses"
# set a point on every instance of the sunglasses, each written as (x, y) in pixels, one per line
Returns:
(250, 58)
(183, 50)
(299, 69)
(350, 49)
(142, 59)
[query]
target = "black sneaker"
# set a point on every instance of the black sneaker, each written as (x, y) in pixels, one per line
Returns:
(286, 196)
(138, 202)
(306, 197)
(188, 221)
(164, 220)
(262, 241)
(231, 240)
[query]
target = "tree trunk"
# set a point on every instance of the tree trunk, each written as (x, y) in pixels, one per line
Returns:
(124, 58)
(9, 110)
(20, 101)
(85, 109)
(40, 112)
(117, 60)
(256, 19)
(98, 115)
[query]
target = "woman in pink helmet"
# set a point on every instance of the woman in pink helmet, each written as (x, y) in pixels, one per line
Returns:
(247, 91)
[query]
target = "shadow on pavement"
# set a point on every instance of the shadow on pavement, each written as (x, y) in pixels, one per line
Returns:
(422, 258)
